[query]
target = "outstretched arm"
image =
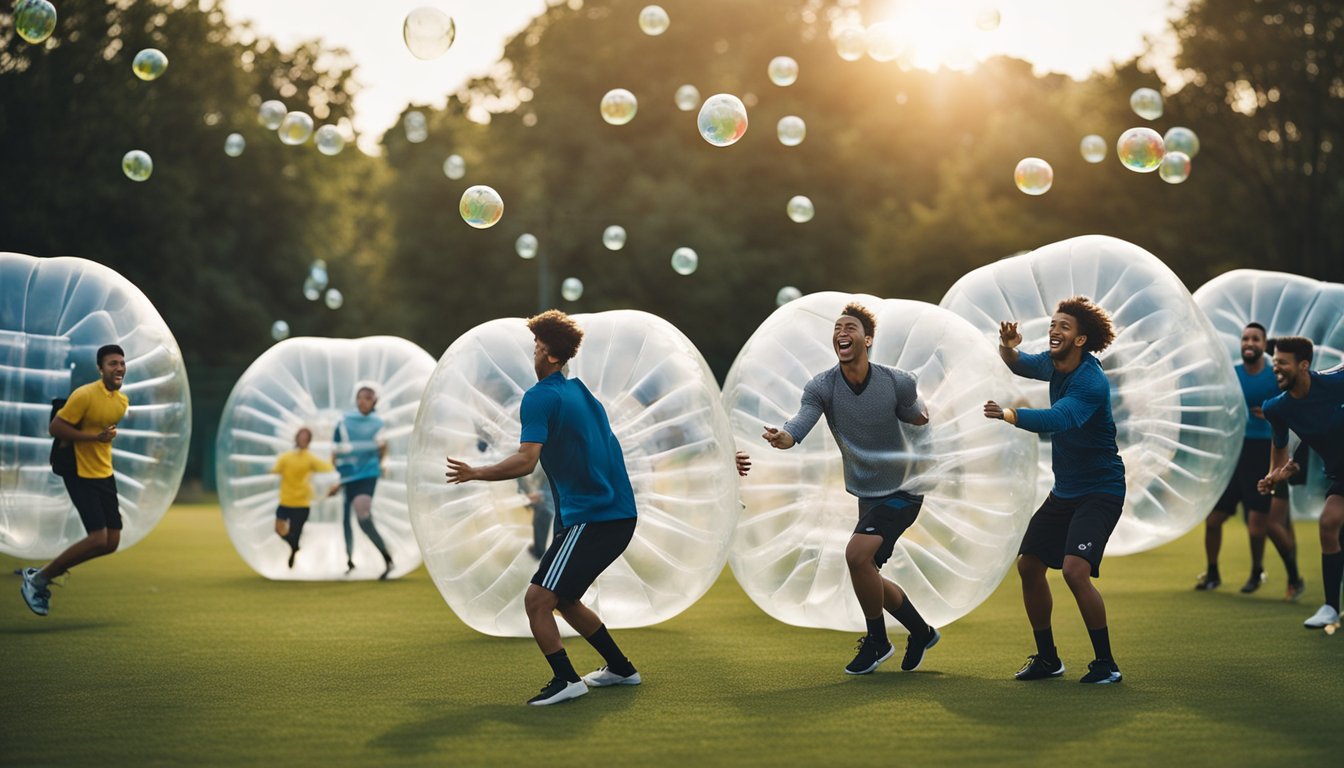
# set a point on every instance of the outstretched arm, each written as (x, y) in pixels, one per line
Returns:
(1009, 338)
(515, 466)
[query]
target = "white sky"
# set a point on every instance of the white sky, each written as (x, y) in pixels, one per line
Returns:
(1075, 37)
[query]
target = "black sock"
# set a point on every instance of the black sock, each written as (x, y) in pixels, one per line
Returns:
(1332, 570)
(1289, 563)
(1101, 643)
(1045, 643)
(560, 665)
(1213, 571)
(877, 629)
(611, 653)
(910, 619)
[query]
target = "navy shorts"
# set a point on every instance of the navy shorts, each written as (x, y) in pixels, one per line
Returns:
(580, 553)
(1241, 489)
(96, 500)
(887, 517)
(1078, 526)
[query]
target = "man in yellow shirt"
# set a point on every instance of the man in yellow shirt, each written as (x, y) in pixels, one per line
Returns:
(295, 468)
(88, 421)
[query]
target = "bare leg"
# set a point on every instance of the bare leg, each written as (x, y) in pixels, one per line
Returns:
(580, 617)
(1280, 514)
(1332, 519)
(1213, 535)
(98, 543)
(1078, 575)
(863, 573)
(1035, 591)
(282, 529)
(540, 604)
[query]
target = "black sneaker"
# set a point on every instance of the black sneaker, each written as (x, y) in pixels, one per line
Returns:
(915, 648)
(387, 571)
(292, 553)
(557, 691)
(1207, 582)
(871, 655)
(1295, 590)
(1101, 672)
(1253, 583)
(1039, 668)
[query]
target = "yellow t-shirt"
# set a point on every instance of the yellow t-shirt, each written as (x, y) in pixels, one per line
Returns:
(294, 467)
(91, 409)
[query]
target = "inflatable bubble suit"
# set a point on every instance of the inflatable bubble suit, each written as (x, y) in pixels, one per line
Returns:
(664, 407)
(54, 315)
(311, 382)
(979, 480)
(1287, 305)
(1178, 410)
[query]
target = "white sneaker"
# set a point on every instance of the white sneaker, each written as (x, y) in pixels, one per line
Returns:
(37, 598)
(1323, 616)
(604, 677)
(557, 691)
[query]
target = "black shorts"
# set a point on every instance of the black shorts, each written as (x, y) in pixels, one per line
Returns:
(1252, 465)
(1336, 488)
(96, 500)
(886, 517)
(292, 514)
(1079, 526)
(580, 553)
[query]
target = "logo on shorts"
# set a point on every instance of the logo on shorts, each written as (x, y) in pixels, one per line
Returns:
(869, 530)
(1084, 547)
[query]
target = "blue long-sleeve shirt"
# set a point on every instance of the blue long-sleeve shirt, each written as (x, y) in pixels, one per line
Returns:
(1317, 418)
(1084, 456)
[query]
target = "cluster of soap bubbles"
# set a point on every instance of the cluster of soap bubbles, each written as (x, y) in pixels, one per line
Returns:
(428, 32)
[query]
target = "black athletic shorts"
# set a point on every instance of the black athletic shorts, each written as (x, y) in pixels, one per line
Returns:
(96, 500)
(887, 517)
(1252, 465)
(580, 553)
(292, 514)
(1336, 487)
(1078, 526)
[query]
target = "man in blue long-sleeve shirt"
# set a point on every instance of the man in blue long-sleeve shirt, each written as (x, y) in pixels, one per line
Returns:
(1071, 528)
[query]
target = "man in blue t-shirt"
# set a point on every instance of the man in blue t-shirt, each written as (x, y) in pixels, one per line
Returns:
(1311, 404)
(1257, 385)
(1071, 528)
(566, 429)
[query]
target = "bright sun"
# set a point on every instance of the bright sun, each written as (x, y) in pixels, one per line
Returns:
(933, 35)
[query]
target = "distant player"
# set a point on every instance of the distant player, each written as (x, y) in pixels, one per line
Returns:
(1071, 528)
(567, 430)
(88, 421)
(865, 404)
(296, 469)
(1311, 404)
(359, 455)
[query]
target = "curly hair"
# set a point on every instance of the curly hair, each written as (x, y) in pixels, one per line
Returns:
(1093, 322)
(558, 332)
(1299, 347)
(863, 315)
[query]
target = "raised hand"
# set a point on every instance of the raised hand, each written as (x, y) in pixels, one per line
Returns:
(1008, 335)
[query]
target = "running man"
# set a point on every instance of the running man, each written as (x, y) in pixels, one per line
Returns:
(1258, 384)
(88, 421)
(566, 429)
(865, 404)
(1070, 530)
(359, 459)
(1311, 403)
(295, 469)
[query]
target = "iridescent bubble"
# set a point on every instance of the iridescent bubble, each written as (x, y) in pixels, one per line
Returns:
(1093, 148)
(329, 140)
(526, 245)
(1181, 139)
(271, 113)
(688, 97)
(149, 64)
(883, 41)
(318, 274)
(571, 289)
(850, 43)
(416, 127)
(783, 70)
(279, 330)
(310, 290)
(1033, 176)
(1175, 167)
(987, 18)
(653, 20)
(800, 209)
(684, 261)
(234, 144)
(791, 130)
(334, 299)
(34, 20)
(296, 128)
(1140, 149)
(428, 33)
(723, 119)
(137, 165)
(454, 167)
(1146, 103)
(613, 237)
(619, 106)
(481, 206)
(786, 294)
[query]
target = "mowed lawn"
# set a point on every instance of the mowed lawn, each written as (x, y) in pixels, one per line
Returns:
(175, 653)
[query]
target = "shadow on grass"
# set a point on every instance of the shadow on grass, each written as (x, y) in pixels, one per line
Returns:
(50, 628)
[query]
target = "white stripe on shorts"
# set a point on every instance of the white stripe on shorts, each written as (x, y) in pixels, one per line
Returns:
(562, 558)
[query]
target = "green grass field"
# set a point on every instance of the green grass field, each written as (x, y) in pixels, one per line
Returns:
(175, 653)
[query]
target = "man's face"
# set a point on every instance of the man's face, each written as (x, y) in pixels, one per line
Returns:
(542, 362)
(365, 400)
(1064, 336)
(848, 339)
(303, 438)
(1252, 345)
(1288, 369)
(113, 370)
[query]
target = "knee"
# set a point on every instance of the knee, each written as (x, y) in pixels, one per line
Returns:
(1030, 568)
(539, 600)
(1215, 520)
(1257, 525)
(858, 556)
(1077, 573)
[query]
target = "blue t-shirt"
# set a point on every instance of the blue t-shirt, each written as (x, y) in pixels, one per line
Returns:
(357, 446)
(1317, 418)
(1082, 433)
(1257, 389)
(579, 453)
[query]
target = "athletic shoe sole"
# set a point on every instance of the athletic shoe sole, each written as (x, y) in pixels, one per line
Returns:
(1114, 678)
(569, 692)
(891, 651)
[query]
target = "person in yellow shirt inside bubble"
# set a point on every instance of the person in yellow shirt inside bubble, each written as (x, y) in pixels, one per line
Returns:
(296, 469)
(88, 420)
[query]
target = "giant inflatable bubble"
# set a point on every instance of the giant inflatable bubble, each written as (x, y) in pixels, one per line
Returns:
(1178, 410)
(311, 382)
(54, 315)
(1287, 305)
(664, 407)
(979, 481)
